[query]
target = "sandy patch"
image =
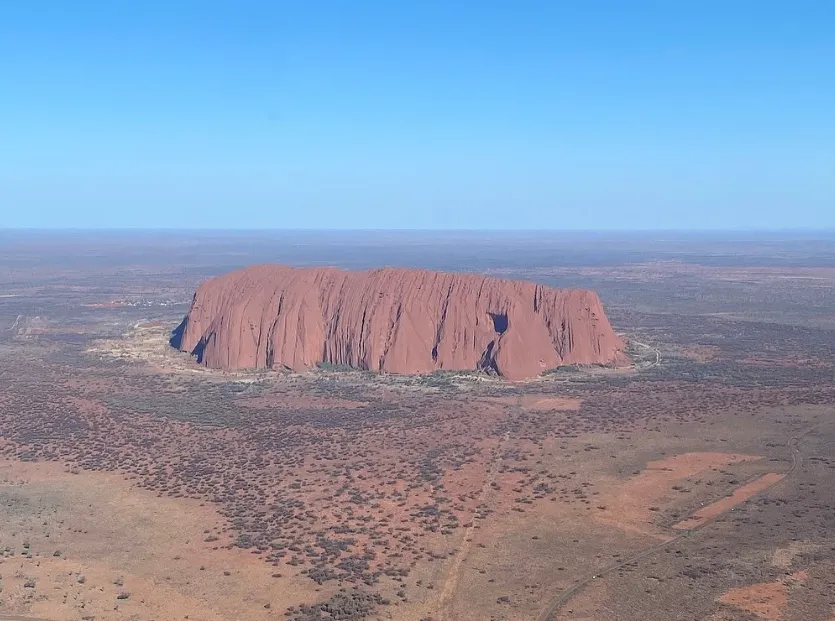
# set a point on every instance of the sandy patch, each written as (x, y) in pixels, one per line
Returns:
(784, 557)
(88, 545)
(725, 614)
(767, 600)
(450, 584)
(293, 402)
(783, 361)
(542, 403)
(569, 404)
(111, 304)
(739, 495)
(632, 506)
(700, 353)
(147, 342)
(88, 406)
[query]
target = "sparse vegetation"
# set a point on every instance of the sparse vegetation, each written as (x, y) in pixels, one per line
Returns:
(374, 487)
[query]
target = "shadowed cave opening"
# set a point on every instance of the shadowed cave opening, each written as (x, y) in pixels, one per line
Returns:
(499, 322)
(177, 334)
(197, 352)
(176, 340)
(487, 362)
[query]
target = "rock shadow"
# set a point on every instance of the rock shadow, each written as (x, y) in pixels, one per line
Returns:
(176, 338)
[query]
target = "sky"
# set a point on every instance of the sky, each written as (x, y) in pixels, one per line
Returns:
(462, 114)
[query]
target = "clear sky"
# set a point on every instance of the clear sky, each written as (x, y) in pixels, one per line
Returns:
(418, 114)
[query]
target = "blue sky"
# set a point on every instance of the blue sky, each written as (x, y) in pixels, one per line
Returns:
(457, 114)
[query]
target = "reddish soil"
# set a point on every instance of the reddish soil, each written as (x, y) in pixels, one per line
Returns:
(629, 506)
(98, 523)
(700, 353)
(739, 495)
(394, 320)
(767, 600)
(300, 401)
(542, 403)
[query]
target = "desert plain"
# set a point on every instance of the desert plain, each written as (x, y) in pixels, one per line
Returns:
(696, 483)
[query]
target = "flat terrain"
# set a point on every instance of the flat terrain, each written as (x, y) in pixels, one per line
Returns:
(697, 485)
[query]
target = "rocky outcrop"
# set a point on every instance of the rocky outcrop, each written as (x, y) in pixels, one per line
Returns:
(393, 320)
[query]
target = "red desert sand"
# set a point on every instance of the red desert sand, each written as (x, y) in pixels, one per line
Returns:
(394, 321)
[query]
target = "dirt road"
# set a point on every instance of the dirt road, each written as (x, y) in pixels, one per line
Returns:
(562, 598)
(655, 350)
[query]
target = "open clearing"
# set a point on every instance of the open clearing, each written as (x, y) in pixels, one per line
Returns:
(766, 600)
(739, 495)
(75, 543)
(633, 506)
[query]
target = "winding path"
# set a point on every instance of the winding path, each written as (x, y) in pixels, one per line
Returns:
(654, 349)
(562, 598)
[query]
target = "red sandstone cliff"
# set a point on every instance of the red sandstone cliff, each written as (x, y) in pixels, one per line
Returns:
(393, 320)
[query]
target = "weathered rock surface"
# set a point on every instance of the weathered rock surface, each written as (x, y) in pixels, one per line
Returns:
(393, 320)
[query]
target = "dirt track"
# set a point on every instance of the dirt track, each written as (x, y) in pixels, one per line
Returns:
(655, 350)
(451, 581)
(558, 601)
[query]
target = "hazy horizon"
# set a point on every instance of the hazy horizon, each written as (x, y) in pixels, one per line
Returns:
(626, 232)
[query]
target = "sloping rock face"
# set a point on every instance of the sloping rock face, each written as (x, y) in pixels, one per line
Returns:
(393, 320)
